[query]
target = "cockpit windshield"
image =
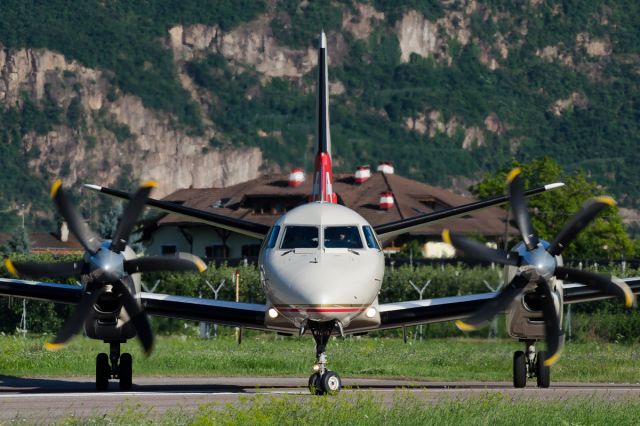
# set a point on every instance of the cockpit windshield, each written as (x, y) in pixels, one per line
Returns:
(300, 237)
(342, 237)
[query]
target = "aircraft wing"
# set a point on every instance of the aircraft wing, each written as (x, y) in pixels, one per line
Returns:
(578, 293)
(245, 227)
(394, 315)
(393, 229)
(57, 293)
(245, 315)
(415, 312)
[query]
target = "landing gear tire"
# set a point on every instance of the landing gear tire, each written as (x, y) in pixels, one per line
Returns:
(330, 382)
(103, 372)
(543, 373)
(315, 387)
(125, 371)
(519, 370)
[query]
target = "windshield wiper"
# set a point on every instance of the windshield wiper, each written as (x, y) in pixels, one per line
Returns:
(353, 251)
(287, 252)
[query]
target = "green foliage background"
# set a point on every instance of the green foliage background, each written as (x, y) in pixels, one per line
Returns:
(125, 39)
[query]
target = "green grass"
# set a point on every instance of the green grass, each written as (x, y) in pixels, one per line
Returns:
(270, 355)
(366, 408)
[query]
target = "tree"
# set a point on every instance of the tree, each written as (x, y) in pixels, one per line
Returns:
(19, 242)
(605, 237)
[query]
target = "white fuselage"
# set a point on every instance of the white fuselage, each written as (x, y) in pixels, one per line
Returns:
(322, 262)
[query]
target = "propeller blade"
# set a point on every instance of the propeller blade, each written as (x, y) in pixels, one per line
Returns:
(494, 306)
(553, 335)
(49, 270)
(75, 322)
(578, 222)
(605, 283)
(180, 262)
(519, 207)
(77, 226)
(476, 250)
(130, 216)
(138, 317)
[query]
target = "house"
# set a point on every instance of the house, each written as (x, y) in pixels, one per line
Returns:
(380, 197)
(57, 243)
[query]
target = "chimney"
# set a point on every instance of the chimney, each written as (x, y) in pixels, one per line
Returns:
(362, 174)
(385, 167)
(296, 177)
(64, 232)
(386, 200)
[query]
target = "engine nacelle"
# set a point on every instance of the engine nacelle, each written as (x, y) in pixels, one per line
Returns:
(525, 320)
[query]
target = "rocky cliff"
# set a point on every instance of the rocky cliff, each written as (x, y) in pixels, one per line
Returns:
(118, 134)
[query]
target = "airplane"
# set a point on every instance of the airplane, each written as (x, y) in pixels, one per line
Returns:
(321, 267)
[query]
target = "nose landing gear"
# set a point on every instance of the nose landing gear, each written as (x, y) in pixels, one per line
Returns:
(114, 366)
(323, 381)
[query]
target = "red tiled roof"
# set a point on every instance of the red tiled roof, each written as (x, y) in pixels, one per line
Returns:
(412, 198)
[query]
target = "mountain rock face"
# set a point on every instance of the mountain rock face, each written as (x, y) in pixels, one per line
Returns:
(117, 136)
(212, 97)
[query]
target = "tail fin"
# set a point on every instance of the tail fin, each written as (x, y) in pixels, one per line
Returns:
(323, 175)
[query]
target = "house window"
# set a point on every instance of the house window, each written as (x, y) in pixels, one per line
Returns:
(168, 249)
(216, 251)
(250, 250)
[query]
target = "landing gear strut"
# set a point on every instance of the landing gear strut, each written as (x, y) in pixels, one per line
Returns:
(323, 381)
(529, 364)
(114, 366)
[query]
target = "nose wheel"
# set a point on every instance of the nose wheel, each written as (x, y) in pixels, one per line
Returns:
(114, 366)
(529, 364)
(323, 381)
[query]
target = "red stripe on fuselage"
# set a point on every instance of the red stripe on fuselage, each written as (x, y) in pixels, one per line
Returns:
(320, 309)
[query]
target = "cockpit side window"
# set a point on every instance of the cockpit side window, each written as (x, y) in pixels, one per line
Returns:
(342, 237)
(370, 237)
(300, 237)
(273, 237)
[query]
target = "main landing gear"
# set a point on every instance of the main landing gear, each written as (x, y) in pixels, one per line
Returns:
(114, 366)
(323, 381)
(529, 364)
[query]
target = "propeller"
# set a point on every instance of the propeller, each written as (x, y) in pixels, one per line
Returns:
(105, 268)
(536, 264)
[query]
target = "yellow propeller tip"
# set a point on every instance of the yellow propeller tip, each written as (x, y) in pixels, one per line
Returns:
(150, 184)
(10, 267)
(55, 187)
(628, 298)
(552, 359)
(201, 265)
(53, 346)
(446, 236)
(605, 199)
(464, 326)
(513, 173)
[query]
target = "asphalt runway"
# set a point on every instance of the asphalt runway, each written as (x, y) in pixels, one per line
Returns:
(47, 399)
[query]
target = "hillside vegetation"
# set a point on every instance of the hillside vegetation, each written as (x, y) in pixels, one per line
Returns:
(503, 80)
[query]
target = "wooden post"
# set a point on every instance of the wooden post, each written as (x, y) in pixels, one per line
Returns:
(238, 329)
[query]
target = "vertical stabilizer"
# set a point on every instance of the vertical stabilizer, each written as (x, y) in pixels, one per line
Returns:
(323, 175)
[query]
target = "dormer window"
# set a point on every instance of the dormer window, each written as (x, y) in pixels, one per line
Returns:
(220, 203)
(434, 204)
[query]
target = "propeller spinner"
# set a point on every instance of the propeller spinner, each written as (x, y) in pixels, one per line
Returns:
(104, 267)
(536, 262)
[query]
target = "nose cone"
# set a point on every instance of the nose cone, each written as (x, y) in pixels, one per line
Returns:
(323, 286)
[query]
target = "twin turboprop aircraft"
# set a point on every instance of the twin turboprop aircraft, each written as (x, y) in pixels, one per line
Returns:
(322, 268)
